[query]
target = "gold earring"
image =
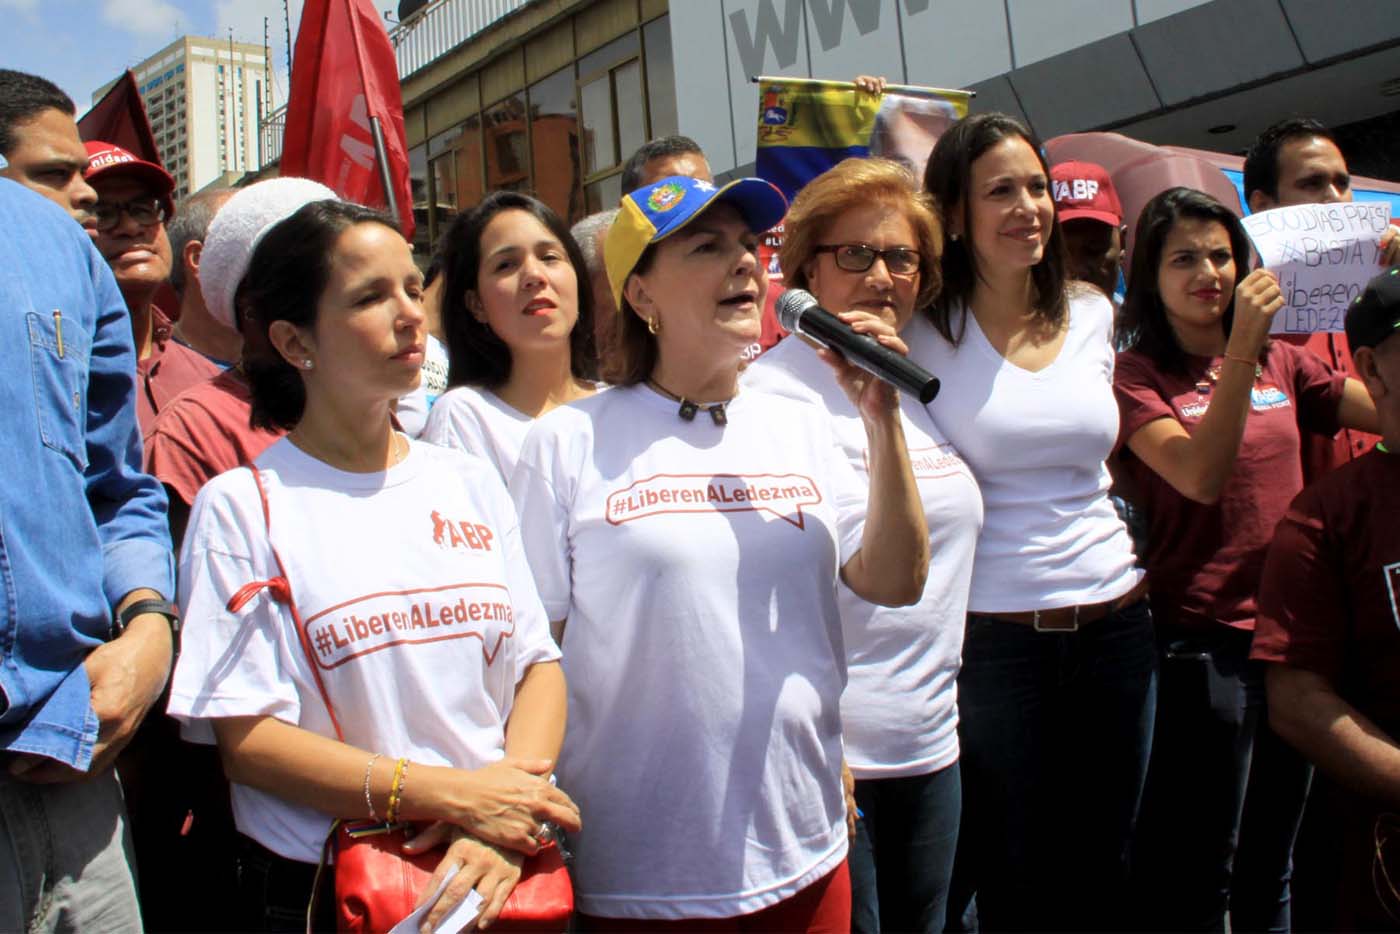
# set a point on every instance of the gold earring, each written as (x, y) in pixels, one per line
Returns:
(653, 326)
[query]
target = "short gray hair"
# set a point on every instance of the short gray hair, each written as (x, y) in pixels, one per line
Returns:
(191, 222)
(586, 233)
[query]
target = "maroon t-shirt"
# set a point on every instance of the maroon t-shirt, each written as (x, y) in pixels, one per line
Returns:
(168, 371)
(203, 433)
(1203, 561)
(1329, 601)
(1322, 452)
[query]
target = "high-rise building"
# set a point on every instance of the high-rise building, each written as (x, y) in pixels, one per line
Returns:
(205, 99)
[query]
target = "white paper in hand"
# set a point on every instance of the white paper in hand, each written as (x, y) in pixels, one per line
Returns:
(1323, 254)
(461, 918)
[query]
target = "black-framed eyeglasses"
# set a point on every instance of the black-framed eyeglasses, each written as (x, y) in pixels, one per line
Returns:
(145, 211)
(858, 257)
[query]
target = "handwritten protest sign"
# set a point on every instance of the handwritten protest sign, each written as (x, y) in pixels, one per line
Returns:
(1323, 254)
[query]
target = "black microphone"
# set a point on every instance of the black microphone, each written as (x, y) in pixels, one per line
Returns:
(798, 311)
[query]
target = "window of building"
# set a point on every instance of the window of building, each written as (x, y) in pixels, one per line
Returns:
(418, 189)
(554, 144)
(442, 182)
(603, 194)
(599, 137)
(631, 116)
(564, 138)
(661, 78)
(613, 114)
(455, 173)
(507, 154)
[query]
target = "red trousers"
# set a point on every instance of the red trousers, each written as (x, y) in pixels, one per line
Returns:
(824, 907)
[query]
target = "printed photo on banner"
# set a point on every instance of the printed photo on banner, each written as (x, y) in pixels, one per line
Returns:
(1323, 254)
(806, 126)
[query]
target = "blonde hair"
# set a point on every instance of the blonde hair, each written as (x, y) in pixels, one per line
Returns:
(855, 183)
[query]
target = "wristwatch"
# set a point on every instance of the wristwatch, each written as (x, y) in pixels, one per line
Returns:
(140, 608)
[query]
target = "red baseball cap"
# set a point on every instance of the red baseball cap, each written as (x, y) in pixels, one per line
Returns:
(107, 160)
(1084, 189)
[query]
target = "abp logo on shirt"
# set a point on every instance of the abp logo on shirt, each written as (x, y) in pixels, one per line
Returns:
(1265, 397)
(459, 533)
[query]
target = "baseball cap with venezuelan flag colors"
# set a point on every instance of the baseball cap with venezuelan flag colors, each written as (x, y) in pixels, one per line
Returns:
(651, 214)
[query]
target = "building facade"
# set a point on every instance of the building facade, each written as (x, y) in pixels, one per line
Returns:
(205, 100)
(551, 96)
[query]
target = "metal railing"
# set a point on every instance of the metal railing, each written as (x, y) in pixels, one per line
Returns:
(270, 136)
(438, 28)
(441, 26)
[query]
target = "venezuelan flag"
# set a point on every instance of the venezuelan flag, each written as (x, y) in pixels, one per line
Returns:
(807, 126)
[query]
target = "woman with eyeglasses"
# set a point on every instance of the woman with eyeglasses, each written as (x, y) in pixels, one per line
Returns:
(1058, 678)
(861, 237)
(1212, 417)
(519, 328)
(688, 535)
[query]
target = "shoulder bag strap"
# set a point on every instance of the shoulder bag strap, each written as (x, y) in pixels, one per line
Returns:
(280, 590)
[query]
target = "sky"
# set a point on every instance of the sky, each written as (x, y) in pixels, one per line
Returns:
(80, 45)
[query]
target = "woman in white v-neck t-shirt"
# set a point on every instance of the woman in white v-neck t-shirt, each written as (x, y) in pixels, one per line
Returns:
(363, 638)
(689, 537)
(1057, 687)
(518, 315)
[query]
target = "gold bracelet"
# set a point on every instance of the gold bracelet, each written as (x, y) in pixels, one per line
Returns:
(1245, 360)
(403, 783)
(393, 813)
(369, 800)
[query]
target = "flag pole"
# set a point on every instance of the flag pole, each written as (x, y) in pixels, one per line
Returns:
(381, 154)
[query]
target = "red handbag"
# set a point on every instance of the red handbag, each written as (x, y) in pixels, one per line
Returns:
(376, 885)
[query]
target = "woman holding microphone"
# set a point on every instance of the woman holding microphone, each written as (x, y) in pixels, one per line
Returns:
(688, 536)
(861, 236)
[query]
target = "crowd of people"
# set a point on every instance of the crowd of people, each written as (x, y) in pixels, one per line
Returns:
(520, 550)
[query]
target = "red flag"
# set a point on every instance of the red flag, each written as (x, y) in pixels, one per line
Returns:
(343, 74)
(120, 117)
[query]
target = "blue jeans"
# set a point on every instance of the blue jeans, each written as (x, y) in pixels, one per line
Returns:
(902, 857)
(1224, 797)
(1056, 729)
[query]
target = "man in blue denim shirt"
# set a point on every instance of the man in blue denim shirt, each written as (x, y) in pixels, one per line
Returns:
(82, 539)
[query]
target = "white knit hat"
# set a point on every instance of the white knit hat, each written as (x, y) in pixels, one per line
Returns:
(236, 230)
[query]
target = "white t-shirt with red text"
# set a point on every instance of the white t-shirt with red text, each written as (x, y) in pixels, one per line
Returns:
(416, 599)
(480, 422)
(899, 713)
(696, 566)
